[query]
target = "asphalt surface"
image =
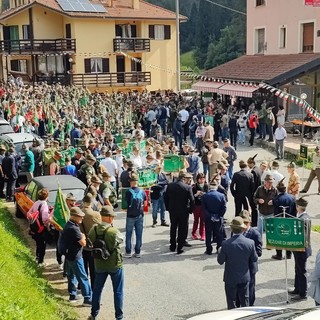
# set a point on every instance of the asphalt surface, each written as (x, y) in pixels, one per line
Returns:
(162, 285)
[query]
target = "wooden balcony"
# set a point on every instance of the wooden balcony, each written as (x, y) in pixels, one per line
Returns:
(131, 44)
(64, 79)
(113, 79)
(37, 46)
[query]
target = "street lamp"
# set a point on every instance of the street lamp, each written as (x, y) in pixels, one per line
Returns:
(178, 44)
(303, 97)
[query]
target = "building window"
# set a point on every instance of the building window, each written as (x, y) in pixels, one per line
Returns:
(18, 65)
(26, 32)
(136, 65)
(160, 32)
(260, 40)
(260, 3)
(96, 65)
(126, 30)
(283, 37)
(49, 65)
(307, 37)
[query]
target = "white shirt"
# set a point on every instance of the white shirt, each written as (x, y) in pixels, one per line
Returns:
(111, 167)
(137, 161)
(137, 130)
(280, 133)
(184, 115)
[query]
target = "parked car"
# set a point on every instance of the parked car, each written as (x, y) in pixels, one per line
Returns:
(5, 127)
(18, 139)
(27, 195)
(255, 313)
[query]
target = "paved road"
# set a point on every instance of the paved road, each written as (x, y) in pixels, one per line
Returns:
(164, 286)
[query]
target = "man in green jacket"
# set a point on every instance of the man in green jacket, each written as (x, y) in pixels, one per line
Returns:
(113, 266)
(28, 163)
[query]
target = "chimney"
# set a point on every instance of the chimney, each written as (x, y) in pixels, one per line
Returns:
(135, 4)
(109, 3)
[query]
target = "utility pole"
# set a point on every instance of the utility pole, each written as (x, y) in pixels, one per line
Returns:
(178, 44)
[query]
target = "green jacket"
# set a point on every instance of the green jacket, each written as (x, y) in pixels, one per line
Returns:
(113, 238)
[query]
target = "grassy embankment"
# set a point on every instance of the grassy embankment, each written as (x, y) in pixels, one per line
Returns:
(24, 294)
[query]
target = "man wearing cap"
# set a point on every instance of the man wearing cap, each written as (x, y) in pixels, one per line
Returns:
(214, 207)
(87, 170)
(179, 201)
(283, 201)
(214, 156)
(112, 267)
(107, 191)
(2, 155)
(253, 234)
(38, 157)
(232, 155)
(300, 257)
(136, 199)
(74, 241)
(263, 198)
(9, 170)
(209, 132)
(294, 180)
(53, 165)
(241, 187)
(70, 200)
(193, 162)
(78, 160)
(239, 254)
(200, 133)
(315, 172)
(90, 219)
(93, 188)
(256, 172)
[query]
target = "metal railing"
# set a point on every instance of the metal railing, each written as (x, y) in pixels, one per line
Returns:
(112, 79)
(131, 44)
(38, 46)
(64, 79)
(308, 48)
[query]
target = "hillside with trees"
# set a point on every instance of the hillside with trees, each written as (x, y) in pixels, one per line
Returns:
(214, 34)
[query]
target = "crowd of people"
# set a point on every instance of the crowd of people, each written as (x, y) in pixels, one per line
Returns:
(112, 137)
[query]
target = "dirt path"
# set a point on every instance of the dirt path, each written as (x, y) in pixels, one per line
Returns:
(51, 272)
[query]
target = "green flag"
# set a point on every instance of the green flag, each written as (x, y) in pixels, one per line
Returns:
(60, 212)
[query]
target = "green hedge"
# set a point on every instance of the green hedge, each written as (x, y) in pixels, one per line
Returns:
(24, 293)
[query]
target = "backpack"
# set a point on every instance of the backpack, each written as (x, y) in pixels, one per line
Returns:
(135, 207)
(99, 247)
(35, 221)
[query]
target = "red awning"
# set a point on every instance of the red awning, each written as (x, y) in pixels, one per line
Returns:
(207, 86)
(237, 90)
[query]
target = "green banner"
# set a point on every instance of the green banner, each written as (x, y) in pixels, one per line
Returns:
(147, 177)
(285, 233)
(173, 163)
(210, 119)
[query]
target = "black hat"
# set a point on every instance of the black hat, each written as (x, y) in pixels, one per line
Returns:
(301, 202)
(251, 159)
(280, 186)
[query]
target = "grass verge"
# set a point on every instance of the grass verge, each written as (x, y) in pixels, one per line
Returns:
(316, 228)
(24, 294)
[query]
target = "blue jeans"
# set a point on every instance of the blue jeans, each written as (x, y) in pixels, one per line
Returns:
(158, 205)
(137, 224)
(263, 130)
(260, 225)
(230, 170)
(225, 133)
(117, 285)
(77, 274)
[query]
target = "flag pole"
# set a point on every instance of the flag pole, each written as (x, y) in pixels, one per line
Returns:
(178, 44)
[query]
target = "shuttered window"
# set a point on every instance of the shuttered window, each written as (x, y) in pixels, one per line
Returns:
(96, 65)
(160, 32)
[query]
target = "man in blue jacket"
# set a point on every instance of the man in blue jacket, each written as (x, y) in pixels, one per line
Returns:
(214, 207)
(239, 254)
(254, 235)
(193, 161)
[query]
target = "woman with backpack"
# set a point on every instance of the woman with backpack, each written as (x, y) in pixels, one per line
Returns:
(38, 217)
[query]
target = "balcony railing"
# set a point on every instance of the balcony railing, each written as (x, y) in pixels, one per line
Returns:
(64, 79)
(125, 79)
(38, 46)
(131, 44)
(307, 48)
